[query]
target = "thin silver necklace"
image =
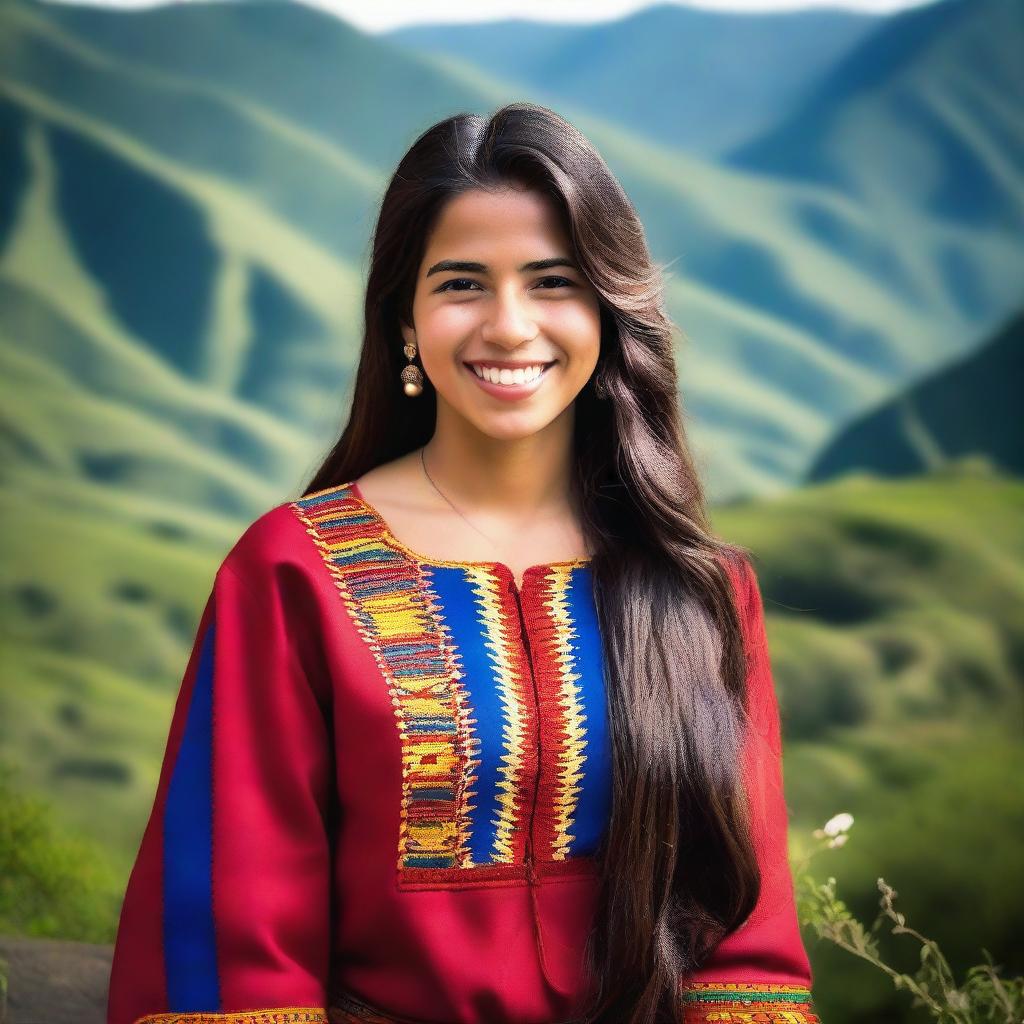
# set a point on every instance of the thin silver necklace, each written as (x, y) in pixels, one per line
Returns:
(423, 463)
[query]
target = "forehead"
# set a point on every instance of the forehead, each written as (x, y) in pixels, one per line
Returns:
(524, 224)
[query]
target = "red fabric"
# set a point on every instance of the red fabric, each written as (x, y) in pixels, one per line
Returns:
(306, 774)
(272, 768)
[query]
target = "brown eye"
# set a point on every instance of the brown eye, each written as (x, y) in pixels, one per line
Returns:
(457, 280)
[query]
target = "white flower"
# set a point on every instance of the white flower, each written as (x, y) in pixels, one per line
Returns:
(837, 824)
(838, 840)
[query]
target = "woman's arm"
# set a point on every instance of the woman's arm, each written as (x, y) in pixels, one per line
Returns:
(761, 971)
(228, 904)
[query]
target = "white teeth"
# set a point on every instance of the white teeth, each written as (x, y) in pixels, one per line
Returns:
(504, 375)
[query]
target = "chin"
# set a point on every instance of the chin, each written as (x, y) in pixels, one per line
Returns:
(511, 426)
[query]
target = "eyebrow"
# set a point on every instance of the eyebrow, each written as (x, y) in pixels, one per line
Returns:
(471, 267)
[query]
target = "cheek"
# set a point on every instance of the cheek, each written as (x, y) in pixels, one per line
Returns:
(440, 362)
(443, 333)
(578, 330)
(448, 319)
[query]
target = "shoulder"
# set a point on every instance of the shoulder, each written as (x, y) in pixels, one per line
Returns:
(286, 538)
(742, 576)
(761, 698)
(746, 590)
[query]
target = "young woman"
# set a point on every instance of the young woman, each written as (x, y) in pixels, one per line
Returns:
(481, 729)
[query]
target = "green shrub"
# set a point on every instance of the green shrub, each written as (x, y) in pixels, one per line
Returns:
(52, 884)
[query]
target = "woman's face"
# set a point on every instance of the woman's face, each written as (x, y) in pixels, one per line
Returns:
(492, 311)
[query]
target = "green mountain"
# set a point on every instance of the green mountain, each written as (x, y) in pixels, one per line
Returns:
(913, 119)
(232, 338)
(969, 407)
(703, 81)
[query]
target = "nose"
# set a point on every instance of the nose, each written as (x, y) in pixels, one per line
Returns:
(510, 324)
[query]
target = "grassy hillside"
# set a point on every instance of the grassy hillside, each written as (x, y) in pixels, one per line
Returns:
(892, 602)
(104, 593)
(897, 651)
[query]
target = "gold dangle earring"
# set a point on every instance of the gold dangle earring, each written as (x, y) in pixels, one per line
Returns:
(412, 376)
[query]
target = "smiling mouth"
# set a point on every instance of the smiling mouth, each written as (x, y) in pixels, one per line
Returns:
(544, 367)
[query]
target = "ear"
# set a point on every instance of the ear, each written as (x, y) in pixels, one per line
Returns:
(408, 333)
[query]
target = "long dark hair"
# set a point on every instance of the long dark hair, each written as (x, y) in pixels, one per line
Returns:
(679, 870)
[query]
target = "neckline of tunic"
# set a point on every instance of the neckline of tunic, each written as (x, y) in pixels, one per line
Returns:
(417, 556)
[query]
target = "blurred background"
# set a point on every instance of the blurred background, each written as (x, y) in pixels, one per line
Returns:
(837, 195)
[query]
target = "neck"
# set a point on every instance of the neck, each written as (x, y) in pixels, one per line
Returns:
(521, 477)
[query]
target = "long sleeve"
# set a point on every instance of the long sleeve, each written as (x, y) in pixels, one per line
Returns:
(228, 906)
(761, 971)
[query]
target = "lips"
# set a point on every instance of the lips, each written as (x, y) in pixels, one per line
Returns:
(510, 392)
(499, 365)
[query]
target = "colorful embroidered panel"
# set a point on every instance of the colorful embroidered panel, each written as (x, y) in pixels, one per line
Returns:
(284, 1015)
(498, 692)
(742, 1003)
(722, 1003)
(345, 1008)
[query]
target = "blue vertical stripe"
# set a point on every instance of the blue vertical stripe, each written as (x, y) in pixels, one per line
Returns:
(594, 801)
(469, 634)
(190, 949)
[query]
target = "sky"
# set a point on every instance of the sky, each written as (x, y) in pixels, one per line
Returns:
(379, 17)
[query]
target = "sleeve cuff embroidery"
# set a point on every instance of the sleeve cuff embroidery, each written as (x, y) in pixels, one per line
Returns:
(275, 1015)
(742, 1003)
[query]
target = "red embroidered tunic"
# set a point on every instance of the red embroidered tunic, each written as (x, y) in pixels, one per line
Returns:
(384, 784)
